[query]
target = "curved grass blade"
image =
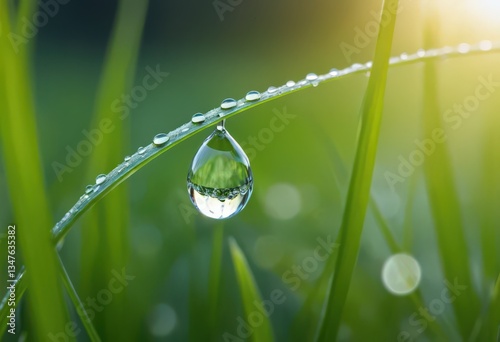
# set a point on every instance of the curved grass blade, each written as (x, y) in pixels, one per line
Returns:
(94, 337)
(250, 294)
(360, 183)
(128, 168)
(444, 204)
(26, 184)
(214, 278)
(109, 223)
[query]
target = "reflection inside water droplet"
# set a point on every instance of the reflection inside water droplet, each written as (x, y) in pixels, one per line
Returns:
(220, 180)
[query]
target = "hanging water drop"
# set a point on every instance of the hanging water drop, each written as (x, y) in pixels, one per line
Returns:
(160, 139)
(100, 179)
(198, 118)
(141, 150)
(228, 103)
(311, 76)
(252, 95)
(220, 180)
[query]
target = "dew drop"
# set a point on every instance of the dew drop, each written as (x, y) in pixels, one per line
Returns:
(334, 72)
(127, 158)
(463, 48)
(160, 139)
(89, 189)
(290, 83)
(315, 83)
(404, 56)
(368, 64)
(100, 179)
(420, 52)
(228, 103)
(141, 150)
(485, 45)
(220, 180)
(272, 89)
(185, 129)
(252, 95)
(357, 66)
(311, 76)
(198, 118)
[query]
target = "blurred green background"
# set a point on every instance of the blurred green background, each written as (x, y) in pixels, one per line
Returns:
(299, 185)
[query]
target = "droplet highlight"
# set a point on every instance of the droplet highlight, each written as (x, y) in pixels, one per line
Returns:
(220, 180)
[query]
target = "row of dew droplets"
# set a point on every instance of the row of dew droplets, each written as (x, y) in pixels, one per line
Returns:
(229, 105)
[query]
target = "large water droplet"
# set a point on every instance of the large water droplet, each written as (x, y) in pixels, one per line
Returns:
(252, 95)
(100, 179)
(160, 139)
(220, 180)
(198, 118)
(228, 103)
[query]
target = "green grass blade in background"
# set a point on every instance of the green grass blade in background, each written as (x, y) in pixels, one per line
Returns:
(443, 200)
(361, 178)
(109, 223)
(489, 197)
(85, 319)
(26, 187)
(250, 295)
(21, 286)
(215, 278)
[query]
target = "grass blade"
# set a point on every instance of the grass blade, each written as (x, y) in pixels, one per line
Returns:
(109, 222)
(250, 294)
(360, 183)
(26, 184)
(94, 337)
(214, 278)
(444, 203)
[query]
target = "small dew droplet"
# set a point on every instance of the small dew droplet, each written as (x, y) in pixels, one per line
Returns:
(315, 83)
(311, 76)
(127, 158)
(463, 48)
(334, 72)
(100, 179)
(198, 118)
(356, 66)
(252, 95)
(368, 64)
(160, 139)
(290, 83)
(185, 129)
(89, 189)
(485, 45)
(272, 89)
(141, 150)
(420, 52)
(228, 103)
(404, 56)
